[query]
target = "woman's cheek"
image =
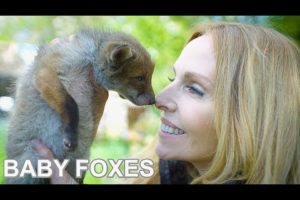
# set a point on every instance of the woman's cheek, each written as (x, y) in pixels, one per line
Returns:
(197, 117)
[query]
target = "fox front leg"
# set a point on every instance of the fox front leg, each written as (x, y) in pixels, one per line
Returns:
(46, 81)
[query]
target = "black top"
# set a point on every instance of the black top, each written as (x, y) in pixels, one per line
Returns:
(173, 172)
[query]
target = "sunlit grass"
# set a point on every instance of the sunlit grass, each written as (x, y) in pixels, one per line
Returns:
(105, 149)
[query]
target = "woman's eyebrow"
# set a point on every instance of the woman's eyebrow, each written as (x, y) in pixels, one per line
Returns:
(193, 75)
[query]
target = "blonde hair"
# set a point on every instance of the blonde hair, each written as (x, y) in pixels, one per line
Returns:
(257, 105)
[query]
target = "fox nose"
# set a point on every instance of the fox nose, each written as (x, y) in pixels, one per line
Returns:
(151, 100)
(145, 99)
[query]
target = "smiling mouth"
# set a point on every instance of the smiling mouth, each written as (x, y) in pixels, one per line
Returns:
(171, 130)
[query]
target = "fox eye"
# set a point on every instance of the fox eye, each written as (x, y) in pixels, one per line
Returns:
(140, 78)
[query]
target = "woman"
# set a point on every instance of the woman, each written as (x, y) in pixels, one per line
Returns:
(232, 109)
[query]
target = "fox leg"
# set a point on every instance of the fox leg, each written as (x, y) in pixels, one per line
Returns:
(47, 82)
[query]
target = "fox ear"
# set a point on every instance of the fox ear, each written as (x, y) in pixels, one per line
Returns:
(119, 54)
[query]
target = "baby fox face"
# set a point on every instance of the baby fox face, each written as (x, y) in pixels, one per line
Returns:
(127, 70)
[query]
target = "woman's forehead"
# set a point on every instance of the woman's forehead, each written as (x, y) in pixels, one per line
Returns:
(197, 57)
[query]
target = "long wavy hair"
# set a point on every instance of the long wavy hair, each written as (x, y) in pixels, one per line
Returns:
(257, 105)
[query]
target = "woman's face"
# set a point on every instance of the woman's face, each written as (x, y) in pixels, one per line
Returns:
(186, 131)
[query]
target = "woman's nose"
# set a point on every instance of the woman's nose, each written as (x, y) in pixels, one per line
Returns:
(165, 100)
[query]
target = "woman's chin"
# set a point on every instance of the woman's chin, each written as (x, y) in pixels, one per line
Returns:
(163, 152)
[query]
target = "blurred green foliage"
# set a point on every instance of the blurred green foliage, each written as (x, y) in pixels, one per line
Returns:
(107, 148)
(163, 36)
(290, 25)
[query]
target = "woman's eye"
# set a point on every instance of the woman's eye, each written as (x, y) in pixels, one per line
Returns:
(195, 89)
(171, 79)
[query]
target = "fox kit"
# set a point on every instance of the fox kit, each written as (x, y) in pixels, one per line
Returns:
(61, 98)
